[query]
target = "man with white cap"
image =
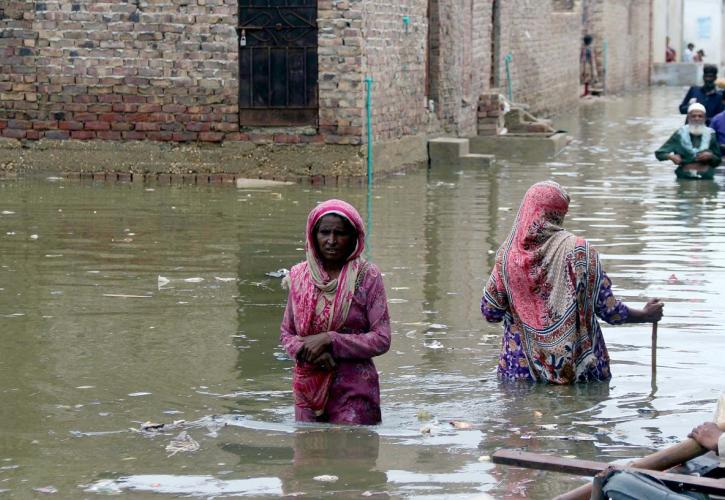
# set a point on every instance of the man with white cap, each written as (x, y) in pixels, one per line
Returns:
(693, 147)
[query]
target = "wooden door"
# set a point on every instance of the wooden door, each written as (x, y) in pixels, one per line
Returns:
(277, 62)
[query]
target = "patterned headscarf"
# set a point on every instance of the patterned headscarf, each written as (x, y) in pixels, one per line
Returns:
(321, 304)
(548, 277)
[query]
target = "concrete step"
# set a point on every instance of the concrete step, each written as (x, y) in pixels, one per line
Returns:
(447, 150)
(476, 160)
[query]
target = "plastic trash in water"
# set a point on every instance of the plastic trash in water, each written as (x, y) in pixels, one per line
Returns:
(326, 478)
(279, 273)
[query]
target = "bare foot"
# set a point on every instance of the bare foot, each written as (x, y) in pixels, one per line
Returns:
(707, 435)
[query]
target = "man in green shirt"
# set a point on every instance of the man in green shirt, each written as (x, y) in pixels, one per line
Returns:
(693, 147)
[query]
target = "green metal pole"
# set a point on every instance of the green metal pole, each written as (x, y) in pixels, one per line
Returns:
(368, 108)
(605, 50)
(507, 60)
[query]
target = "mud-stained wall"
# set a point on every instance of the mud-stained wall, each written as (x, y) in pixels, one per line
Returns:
(626, 27)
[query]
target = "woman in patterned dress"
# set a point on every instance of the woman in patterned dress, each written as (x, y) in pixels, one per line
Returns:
(336, 321)
(548, 286)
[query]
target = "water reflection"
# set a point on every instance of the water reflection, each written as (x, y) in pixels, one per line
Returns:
(83, 361)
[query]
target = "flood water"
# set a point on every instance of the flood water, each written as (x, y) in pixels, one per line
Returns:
(122, 304)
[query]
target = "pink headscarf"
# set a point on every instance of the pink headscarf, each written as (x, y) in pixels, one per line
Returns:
(321, 304)
(533, 254)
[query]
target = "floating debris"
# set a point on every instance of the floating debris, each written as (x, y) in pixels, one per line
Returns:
(224, 280)
(162, 281)
(425, 430)
(126, 296)
(279, 273)
(459, 424)
(326, 478)
(137, 394)
(434, 345)
(194, 280)
(182, 443)
(46, 489)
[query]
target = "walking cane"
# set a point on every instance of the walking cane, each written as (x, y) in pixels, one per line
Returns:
(654, 349)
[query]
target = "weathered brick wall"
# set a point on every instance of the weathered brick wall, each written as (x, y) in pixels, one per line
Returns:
(625, 25)
(148, 69)
(395, 58)
(167, 70)
(341, 75)
(544, 45)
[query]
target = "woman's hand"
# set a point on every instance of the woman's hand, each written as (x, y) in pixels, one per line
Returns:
(325, 362)
(675, 158)
(652, 311)
(313, 347)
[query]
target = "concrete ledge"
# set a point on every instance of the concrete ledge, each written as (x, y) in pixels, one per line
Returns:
(447, 150)
(523, 145)
(476, 160)
(676, 74)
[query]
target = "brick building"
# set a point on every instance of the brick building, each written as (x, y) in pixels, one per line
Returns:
(284, 72)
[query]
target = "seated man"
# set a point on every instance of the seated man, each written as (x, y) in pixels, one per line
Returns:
(693, 147)
(708, 95)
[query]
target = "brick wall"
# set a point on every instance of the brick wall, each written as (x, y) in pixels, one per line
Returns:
(544, 45)
(167, 70)
(341, 73)
(625, 25)
(145, 69)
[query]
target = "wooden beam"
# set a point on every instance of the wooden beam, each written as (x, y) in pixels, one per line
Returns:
(590, 468)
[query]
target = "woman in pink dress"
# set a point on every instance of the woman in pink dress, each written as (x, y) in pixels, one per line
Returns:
(336, 321)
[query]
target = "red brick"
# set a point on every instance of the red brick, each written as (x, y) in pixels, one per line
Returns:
(82, 134)
(32, 135)
(149, 108)
(97, 125)
(261, 138)
(109, 135)
(111, 117)
(121, 125)
(197, 127)
(56, 134)
(286, 139)
(147, 126)
(125, 107)
(211, 136)
(70, 125)
(13, 133)
(45, 125)
(136, 99)
(184, 136)
(133, 135)
(20, 124)
(162, 135)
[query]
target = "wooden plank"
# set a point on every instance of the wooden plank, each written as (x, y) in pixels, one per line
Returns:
(590, 468)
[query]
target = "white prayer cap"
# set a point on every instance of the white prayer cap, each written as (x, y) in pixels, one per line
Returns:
(695, 106)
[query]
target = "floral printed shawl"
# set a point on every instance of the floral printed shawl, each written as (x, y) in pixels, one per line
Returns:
(546, 278)
(321, 304)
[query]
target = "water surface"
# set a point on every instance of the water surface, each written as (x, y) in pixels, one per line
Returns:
(122, 304)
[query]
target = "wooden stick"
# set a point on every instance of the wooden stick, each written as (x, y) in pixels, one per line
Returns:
(660, 460)
(590, 468)
(654, 349)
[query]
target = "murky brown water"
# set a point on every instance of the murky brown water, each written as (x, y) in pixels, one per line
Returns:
(81, 363)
